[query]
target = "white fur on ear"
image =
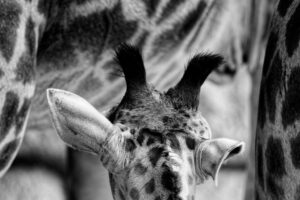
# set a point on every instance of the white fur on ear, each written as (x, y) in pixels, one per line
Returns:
(77, 122)
(211, 154)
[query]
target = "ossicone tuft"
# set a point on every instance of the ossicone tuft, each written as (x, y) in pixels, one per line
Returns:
(198, 69)
(130, 60)
(186, 92)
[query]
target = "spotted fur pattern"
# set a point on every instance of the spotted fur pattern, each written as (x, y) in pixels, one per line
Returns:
(158, 145)
(277, 136)
(68, 44)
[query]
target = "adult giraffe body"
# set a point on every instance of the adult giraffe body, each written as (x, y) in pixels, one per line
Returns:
(278, 136)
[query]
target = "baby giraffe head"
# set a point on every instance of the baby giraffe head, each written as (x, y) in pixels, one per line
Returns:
(156, 146)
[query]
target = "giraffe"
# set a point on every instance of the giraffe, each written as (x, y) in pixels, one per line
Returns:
(153, 144)
(68, 44)
(277, 136)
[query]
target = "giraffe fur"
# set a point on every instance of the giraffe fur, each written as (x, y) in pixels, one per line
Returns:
(277, 135)
(69, 45)
(158, 147)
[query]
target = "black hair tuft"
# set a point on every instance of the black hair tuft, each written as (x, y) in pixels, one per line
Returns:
(131, 62)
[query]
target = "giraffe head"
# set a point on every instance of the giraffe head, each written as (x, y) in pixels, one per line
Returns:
(154, 145)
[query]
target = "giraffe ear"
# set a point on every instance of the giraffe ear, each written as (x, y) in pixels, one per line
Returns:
(77, 122)
(211, 154)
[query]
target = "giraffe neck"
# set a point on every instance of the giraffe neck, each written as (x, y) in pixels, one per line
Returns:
(84, 59)
(19, 34)
(278, 128)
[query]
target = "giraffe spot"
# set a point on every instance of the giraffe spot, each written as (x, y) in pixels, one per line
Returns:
(94, 34)
(196, 32)
(291, 105)
(272, 85)
(173, 197)
(8, 114)
(21, 116)
(174, 143)
(43, 6)
(25, 69)
(150, 186)
(260, 165)
(275, 157)
(167, 120)
(292, 35)
(120, 114)
(191, 19)
(9, 22)
(174, 37)
(295, 149)
(7, 151)
(134, 194)
(122, 197)
(190, 143)
(150, 141)
(129, 145)
(30, 36)
(140, 169)
(124, 128)
(155, 154)
(55, 50)
(169, 9)
(271, 47)
(151, 6)
(274, 189)
(170, 181)
(132, 131)
(283, 6)
(126, 114)
(140, 138)
(175, 126)
(150, 134)
(297, 193)
(89, 32)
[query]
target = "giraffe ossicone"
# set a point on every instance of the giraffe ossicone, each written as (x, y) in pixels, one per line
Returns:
(154, 145)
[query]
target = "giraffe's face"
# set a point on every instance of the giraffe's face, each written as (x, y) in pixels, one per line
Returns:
(162, 151)
(155, 145)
